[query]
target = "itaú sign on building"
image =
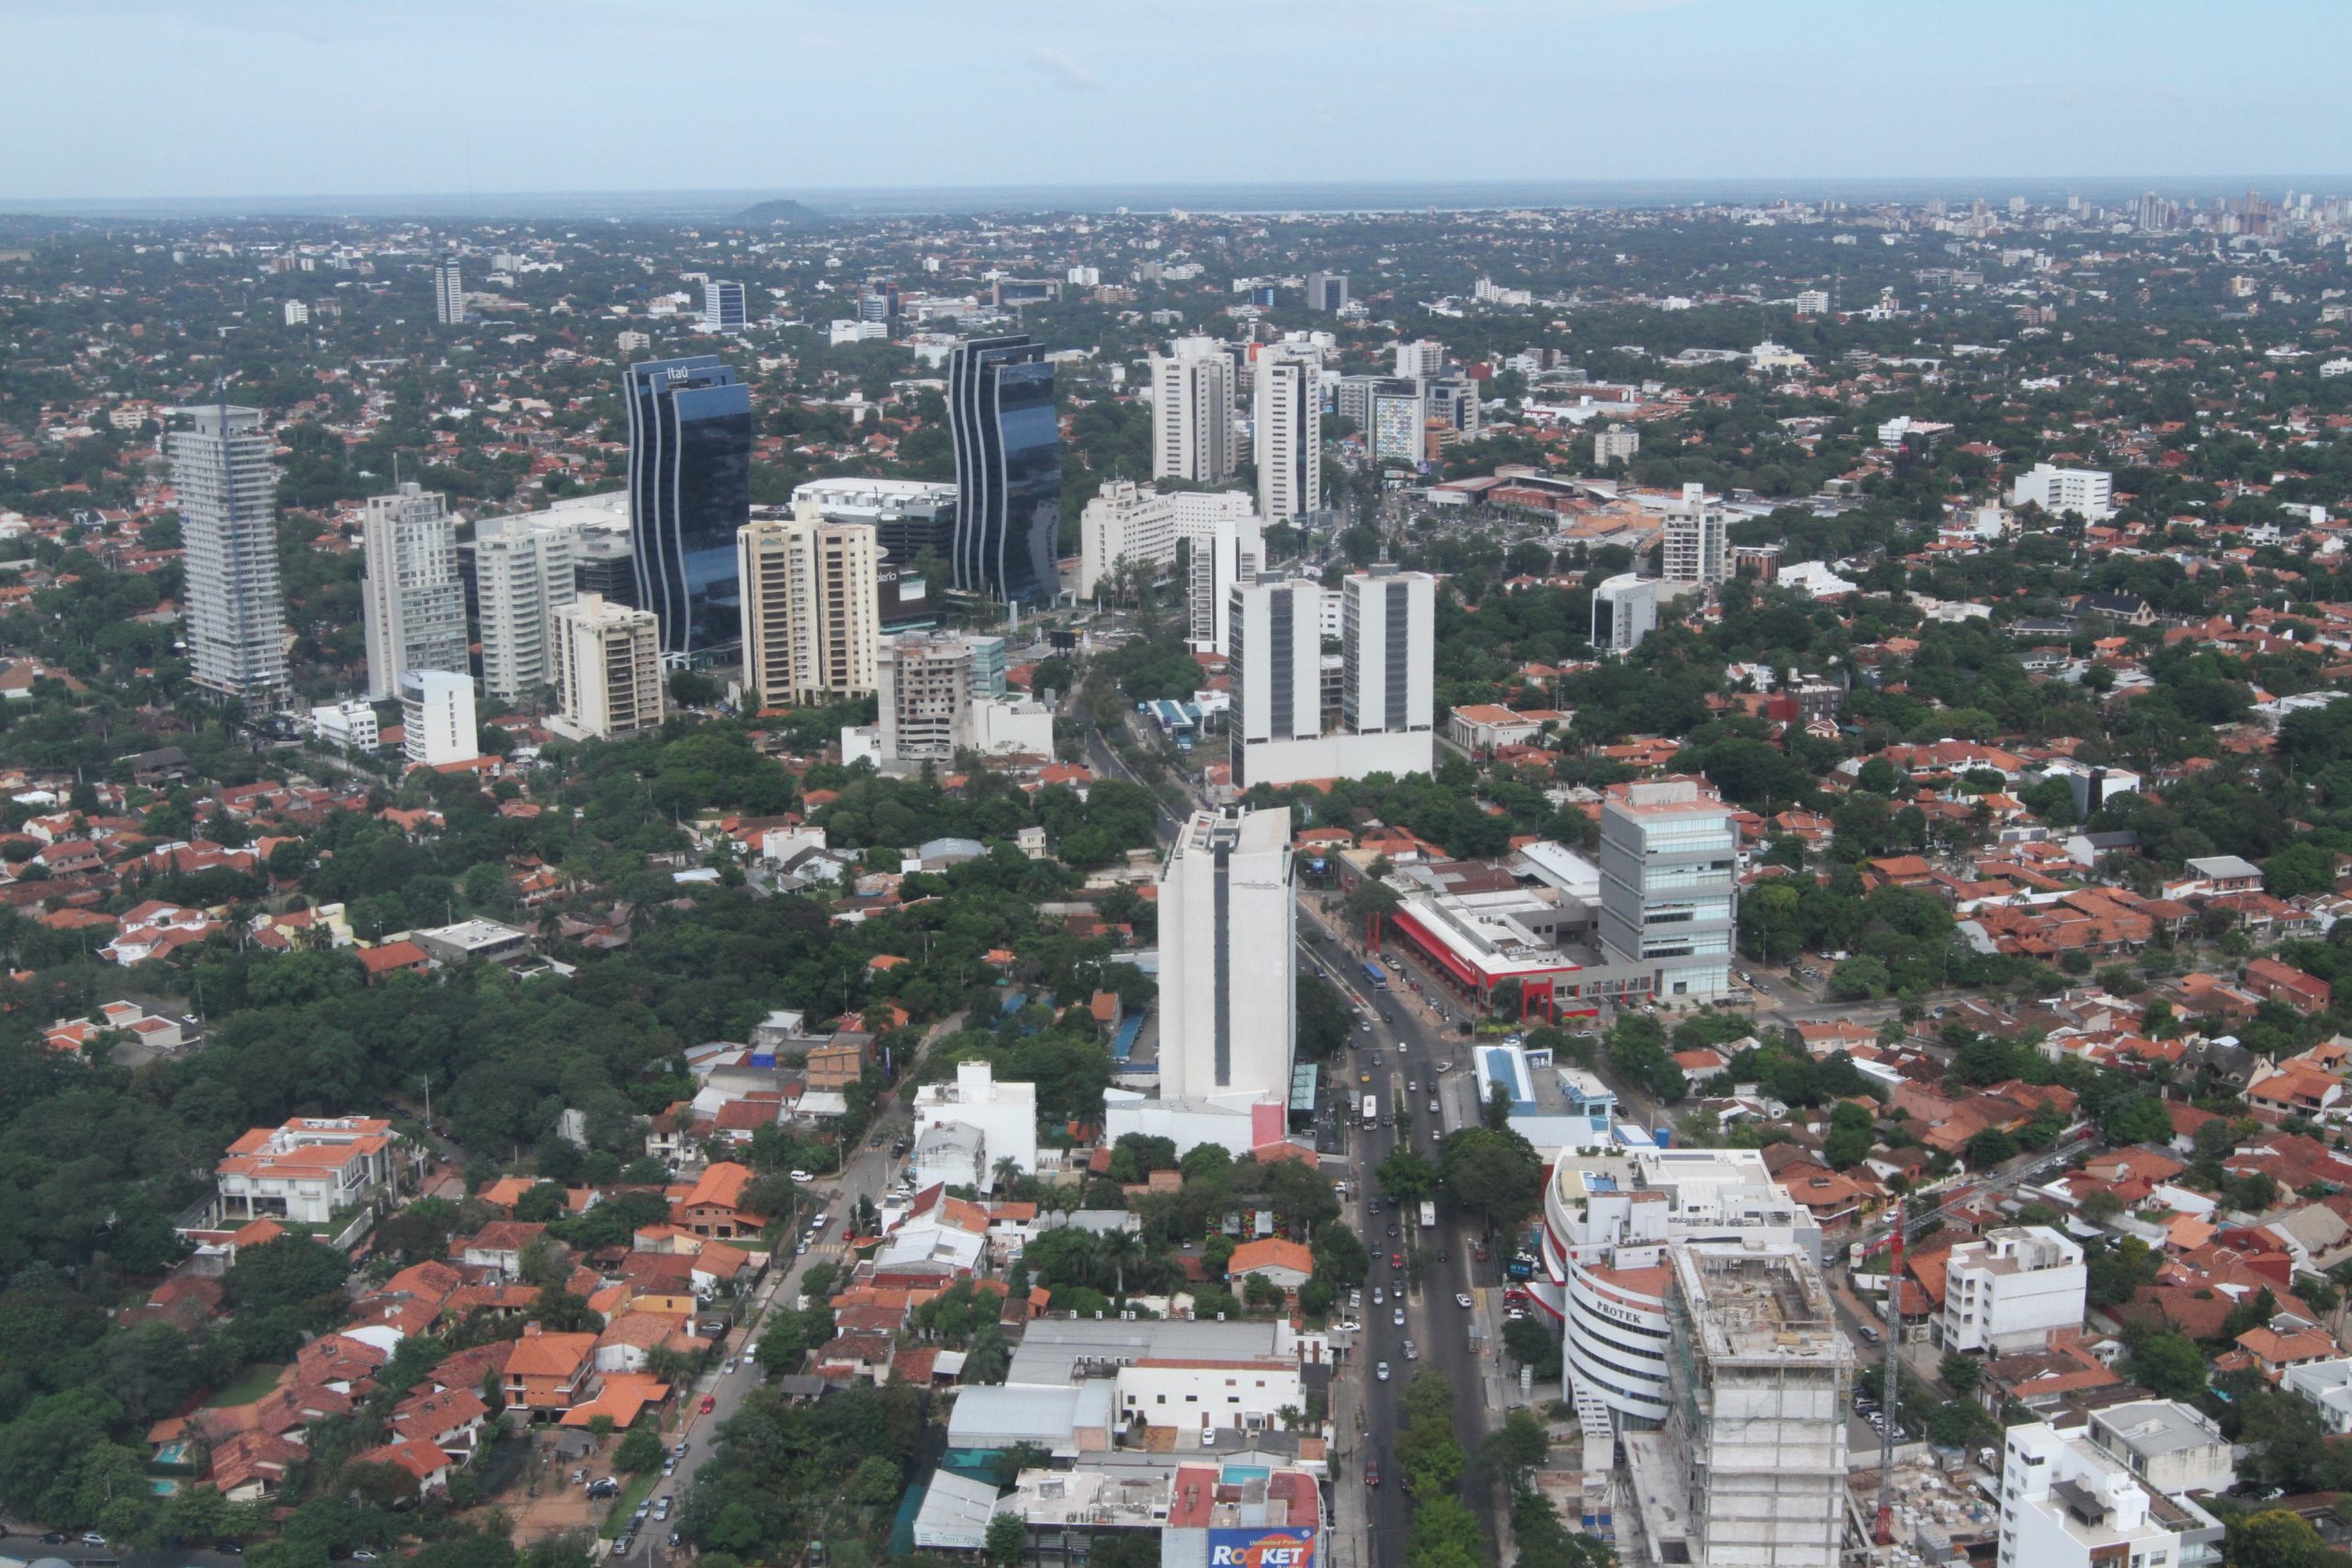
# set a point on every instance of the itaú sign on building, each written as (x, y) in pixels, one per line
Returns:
(1261, 1548)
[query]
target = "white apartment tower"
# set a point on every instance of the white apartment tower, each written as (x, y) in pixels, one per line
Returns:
(1232, 550)
(227, 483)
(437, 717)
(1125, 523)
(1423, 358)
(925, 697)
(1191, 412)
(810, 608)
(608, 670)
(1670, 899)
(412, 603)
(1288, 423)
(1696, 549)
(1624, 610)
(525, 570)
(448, 292)
(1227, 960)
(1749, 1471)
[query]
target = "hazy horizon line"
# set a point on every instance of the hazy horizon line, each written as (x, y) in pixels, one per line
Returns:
(1242, 197)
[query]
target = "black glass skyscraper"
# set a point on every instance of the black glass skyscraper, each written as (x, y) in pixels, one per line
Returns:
(689, 491)
(1008, 468)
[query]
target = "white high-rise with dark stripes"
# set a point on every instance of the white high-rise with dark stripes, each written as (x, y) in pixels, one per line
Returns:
(226, 478)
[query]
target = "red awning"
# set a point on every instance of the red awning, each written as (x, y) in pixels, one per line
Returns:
(1438, 951)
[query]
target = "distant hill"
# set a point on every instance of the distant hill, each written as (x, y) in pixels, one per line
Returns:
(781, 210)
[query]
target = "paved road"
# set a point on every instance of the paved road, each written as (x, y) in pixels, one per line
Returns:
(868, 1175)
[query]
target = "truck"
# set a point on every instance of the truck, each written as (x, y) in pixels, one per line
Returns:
(1429, 1214)
(1372, 1111)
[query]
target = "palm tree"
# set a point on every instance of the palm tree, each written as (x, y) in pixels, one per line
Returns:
(1008, 1174)
(1114, 1250)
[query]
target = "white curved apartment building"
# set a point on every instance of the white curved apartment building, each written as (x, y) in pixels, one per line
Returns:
(1605, 1275)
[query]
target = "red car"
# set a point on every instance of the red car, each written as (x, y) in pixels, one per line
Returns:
(1395, 1260)
(709, 1403)
(1515, 1297)
(1479, 1252)
(1372, 1472)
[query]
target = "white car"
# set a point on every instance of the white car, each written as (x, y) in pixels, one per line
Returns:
(1463, 1301)
(1348, 1325)
(1381, 1372)
(802, 1177)
(1378, 1295)
(1398, 1317)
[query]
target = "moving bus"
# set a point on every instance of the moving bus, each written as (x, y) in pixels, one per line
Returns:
(1374, 975)
(1372, 1111)
(1429, 1214)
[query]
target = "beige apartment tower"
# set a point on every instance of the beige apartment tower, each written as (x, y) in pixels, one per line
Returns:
(608, 671)
(811, 616)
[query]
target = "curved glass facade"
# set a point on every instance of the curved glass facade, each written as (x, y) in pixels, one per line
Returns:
(1007, 433)
(689, 492)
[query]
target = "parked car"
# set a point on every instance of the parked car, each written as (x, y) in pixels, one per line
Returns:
(802, 1177)
(709, 1403)
(1372, 1466)
(1412, 1351)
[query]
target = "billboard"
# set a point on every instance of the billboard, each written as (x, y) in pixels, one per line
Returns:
(1269, 1548)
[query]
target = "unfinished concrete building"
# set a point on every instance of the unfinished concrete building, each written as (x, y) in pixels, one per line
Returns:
(1749, 1469)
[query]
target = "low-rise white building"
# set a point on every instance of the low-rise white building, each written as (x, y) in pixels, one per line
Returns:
(350, 724)
(1003, 1115)
(2068, 1503)
(2011, 1290)
(2173, 1447)
(2088, 493)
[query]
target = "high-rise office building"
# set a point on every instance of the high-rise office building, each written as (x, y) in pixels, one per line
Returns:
(437, 717)
(1273, 655)
(227, 482)
(1670, 886)
(722, 307)
(1288, 434)
(1624, 610)
(810, 618)
(1126, 528)
(1396, 425)
(1697, 547)
(1326, 291)
(1191, 412)
(1749, 1471)
(412, 606)
(690, 491)
(608, 671)
(525, 568)
(1388, 638)
(925, 697)
(1006, 429)
(448, 292)
(1227, 960)
(1453, 405)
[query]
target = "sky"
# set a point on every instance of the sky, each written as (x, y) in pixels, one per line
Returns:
(112, 99)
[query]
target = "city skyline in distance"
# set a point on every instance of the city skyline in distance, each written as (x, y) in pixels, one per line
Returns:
(522, 96)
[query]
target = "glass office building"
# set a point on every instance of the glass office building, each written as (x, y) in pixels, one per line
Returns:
(1002, 416)
(689, 491)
